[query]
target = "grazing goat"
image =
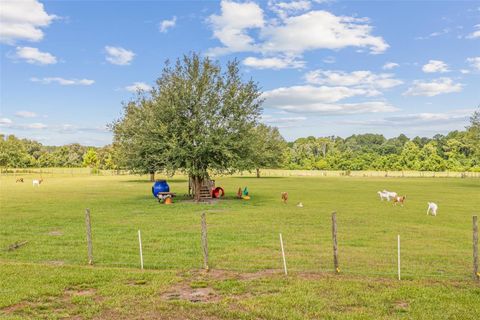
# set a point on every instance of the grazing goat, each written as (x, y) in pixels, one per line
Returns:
(37, 182)
(285, 197)
(383, 195)
(432, 207)
(390, 194)
(19, 180)
(399, 199)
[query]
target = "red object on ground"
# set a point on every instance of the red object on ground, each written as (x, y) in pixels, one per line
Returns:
(218, 192)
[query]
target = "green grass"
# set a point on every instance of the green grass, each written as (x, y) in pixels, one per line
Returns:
(47, 277)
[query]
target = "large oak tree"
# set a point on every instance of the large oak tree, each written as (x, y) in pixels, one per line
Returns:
(198, 119)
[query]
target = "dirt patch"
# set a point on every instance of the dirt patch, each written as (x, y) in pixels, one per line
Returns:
(55, 262)
(218, 274)
(183, 291)
(81, 292)
(15, 307)
(195, 286)
(401, 305)
(55, 233)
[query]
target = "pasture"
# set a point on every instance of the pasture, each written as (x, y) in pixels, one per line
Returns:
(48, 277)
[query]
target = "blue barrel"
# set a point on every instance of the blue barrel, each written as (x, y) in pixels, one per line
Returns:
(160, 186)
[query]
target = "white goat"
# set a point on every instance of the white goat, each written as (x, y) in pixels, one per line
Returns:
(383, 195)
(432, 207)
(37, 182)
(390, 194)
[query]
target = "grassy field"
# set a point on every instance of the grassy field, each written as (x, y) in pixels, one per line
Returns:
(48, 277)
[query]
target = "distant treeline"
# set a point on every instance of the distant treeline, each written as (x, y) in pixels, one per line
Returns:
(456, 151)
(25, 153)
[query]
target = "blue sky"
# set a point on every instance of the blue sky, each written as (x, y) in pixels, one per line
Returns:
(326, 67)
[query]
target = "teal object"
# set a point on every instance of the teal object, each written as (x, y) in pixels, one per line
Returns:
(245, 191)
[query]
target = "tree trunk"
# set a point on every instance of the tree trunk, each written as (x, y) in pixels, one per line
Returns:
(198, 185)
(152, 176)
(258, 172)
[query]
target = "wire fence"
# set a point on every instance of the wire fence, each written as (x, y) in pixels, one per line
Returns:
(236, 248)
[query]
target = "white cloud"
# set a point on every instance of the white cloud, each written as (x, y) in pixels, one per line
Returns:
(323, 99)
(284, 9)
(291, 36)
(363, 79)
(311, 94)
(435, 66)
(417, 119)
(433, 88)
(273, 63)
(390, 65)
(36, 125)
(474, 62)
(119, 55)
(475, 34)
(25, 114)
(329, 59)
(271, 120)
(321, 30)
(23, 20)
(464, 71)
(167, 24)
(136, 86)
(435, 34)
(5, 121)
(232, 25)
(35, 56)
(63, 81)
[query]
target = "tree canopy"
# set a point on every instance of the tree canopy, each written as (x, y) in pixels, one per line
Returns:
(198, 119)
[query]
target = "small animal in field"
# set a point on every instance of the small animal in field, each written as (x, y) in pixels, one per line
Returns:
(19, 180)
(383, 195)
(432, 208)
(37, 182)
(284, 197)
(300, 205)
(390, 194)
(399, 199)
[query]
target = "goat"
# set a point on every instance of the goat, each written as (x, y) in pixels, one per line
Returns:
(390, 194)
(432, 207)
(37, 182)
(399, 199)
(285, 197)
(383, 195)
(19, 180)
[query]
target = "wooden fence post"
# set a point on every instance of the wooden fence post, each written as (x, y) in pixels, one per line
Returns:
(476, 272)
(141, 252)
(283, 256)
(398, 256)
(89, 236)
(335, 244)
(204, 241)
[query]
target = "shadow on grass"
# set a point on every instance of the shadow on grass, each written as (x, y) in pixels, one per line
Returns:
(243, 177)
(148, 181)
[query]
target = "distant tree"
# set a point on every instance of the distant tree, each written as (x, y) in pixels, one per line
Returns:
(199, 120)
(13, 153)
(409, 158)
(268, 148)
(90, 159)
(429, 158)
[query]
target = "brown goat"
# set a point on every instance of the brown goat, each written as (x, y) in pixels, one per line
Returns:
(285, 197)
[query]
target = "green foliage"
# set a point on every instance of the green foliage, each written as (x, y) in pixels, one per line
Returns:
(199, 119)
(90, 159)
(268, 147)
